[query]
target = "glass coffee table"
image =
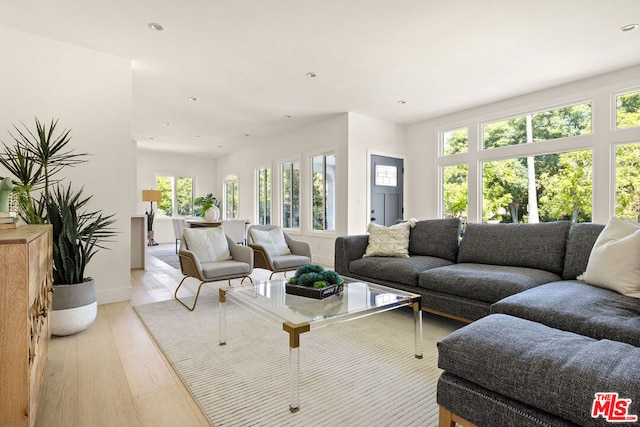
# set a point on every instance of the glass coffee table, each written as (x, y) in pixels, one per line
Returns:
(299, 314)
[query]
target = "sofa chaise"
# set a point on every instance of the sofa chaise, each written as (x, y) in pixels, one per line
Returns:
(544, 348)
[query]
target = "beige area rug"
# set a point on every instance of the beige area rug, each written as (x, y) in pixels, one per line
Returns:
(358, 373)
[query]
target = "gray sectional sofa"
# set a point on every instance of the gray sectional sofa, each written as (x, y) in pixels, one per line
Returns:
(542, 343)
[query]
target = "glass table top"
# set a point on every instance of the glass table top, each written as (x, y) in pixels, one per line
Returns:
(358, 299)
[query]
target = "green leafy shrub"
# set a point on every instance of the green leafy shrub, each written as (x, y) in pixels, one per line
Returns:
(315, 276)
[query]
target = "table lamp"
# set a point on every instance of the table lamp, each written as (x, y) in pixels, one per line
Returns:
(151, 196)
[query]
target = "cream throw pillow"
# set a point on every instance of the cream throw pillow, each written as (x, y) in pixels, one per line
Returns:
(272, 240)
(614, 262)
(390, 241)
(208, 244)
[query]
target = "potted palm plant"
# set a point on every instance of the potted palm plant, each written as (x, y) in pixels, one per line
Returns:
(35, 160)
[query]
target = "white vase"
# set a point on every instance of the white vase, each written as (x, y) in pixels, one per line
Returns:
(212, 214)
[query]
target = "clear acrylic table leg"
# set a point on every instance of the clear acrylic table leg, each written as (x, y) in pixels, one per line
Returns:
(417, 329)
(294, 330)
(294, 379)
(222, 317)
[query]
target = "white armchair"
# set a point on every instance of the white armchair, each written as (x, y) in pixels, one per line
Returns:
(208, 255)
(275, 250)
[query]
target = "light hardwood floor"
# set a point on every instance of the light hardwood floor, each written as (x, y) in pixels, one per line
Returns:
(113, 374)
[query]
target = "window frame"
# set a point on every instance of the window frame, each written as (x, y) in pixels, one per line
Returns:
(312, 228)
(234, 180)
(265, 217)
(298, 206)
(174, 200)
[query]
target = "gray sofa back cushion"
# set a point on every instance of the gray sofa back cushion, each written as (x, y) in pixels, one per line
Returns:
(540, 246)
(436, 238)
(581, 240)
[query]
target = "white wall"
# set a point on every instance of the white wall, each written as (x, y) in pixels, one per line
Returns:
(422, 142)
(90, 92)
(368, 136)
(329, 135)
(152, 163)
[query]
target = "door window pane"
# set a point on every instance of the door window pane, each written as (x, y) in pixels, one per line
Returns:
(386, 175)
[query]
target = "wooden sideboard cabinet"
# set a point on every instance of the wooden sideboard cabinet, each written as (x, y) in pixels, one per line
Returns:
(25, 302)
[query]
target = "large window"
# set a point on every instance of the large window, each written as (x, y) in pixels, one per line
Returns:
(628, 181)
(290, 194)
(264, 196)
(628, 110)
(231, 197)
(559, 187)
(177, 195)
(323, 173)
(547, 125)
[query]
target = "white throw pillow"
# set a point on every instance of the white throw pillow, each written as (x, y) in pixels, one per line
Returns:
(272, 240)
(390, 241)
(614, 262)
(208, 244)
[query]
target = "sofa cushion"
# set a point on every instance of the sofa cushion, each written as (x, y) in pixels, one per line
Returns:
(483, 282)
(581, 239)
(435, 237)
(557, 371)
(577, 307)
(541, 246)
(613, 262)
(402, 270)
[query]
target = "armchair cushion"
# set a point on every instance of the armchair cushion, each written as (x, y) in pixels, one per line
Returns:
(208, 244)
(212, 270)
(286, 262)
(272, 240)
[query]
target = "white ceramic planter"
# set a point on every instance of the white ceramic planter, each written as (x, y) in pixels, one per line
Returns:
(74, 308)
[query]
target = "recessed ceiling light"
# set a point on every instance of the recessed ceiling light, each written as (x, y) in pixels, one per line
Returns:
(287, 116)
(167, 124)
(629, 27)
(192, 98)
(156, 27)
(402, 102)
(246, 134)
(311, 74)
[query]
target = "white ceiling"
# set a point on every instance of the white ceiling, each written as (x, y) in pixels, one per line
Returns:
(246, 60)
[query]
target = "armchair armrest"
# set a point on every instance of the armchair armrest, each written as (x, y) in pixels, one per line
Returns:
(262, 257)
(347, 249)
(298, 247)
(240, 253)
(189, 263)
